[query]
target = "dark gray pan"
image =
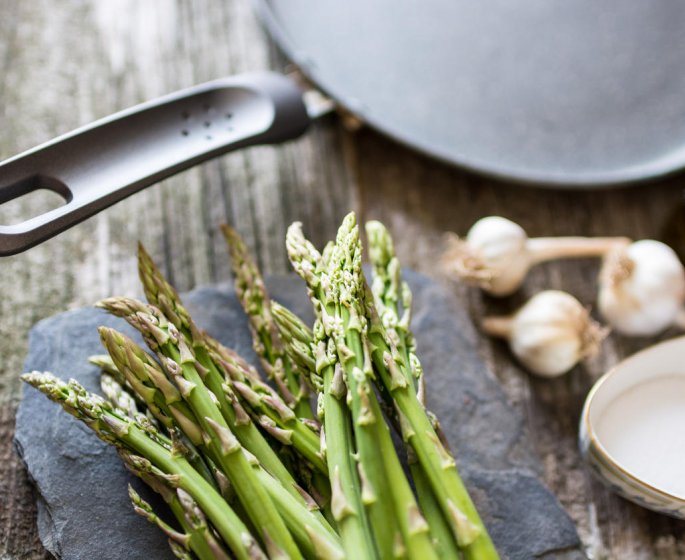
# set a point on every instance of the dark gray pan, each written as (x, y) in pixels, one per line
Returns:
(554, 92)
(573, 93)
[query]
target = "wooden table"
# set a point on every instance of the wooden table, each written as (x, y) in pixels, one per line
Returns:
(63, 65)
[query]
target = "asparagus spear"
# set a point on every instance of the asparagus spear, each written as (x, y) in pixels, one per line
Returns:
(347, 266)
(181, 365)
(337, 438)
(161, 294)
(267, 407)
(117, 395)
(197, 535)
(114, 385)
(388, 290)
(105, 363)
(389, 507)
(226, 451)
(419, 432)
(160, 396)
(129, 435)
(268, 345)
(273, 416)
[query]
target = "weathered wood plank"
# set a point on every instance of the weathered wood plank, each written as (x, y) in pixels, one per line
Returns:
(17, 505)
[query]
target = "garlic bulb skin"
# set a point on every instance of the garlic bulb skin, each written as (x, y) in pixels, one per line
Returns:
(550, 334)
(494, 255)
(641, 288)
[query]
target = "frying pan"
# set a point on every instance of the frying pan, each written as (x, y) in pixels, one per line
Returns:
(551, 92)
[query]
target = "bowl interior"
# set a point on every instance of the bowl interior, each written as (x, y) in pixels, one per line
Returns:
(637, 413)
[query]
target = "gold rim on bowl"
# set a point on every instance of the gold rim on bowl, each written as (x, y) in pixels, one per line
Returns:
(594, 441)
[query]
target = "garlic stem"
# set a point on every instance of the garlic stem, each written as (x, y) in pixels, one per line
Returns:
(497, 254)
(499, 327)
(542, 249)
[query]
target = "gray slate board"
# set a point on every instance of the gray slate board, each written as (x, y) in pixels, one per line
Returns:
(84, 511)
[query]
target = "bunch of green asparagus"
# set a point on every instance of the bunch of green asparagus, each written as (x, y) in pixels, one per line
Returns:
(301, 466)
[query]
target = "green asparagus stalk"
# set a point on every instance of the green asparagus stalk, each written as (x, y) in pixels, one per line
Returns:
(386, 491)
(268, 345)
(105, 363)
(274, 418)
(144, 509)
(114, 385)
(181, 365)
(419, 432)
(161, 294)
(160, 396)
(196, 536)
(346, 273)
(347, 501)
(388, 290)
(267, 407)
(346, 334)
(117, 395)
(299, 339)
(156, 458)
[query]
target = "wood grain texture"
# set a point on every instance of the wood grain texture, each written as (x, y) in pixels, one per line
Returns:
(64, 66)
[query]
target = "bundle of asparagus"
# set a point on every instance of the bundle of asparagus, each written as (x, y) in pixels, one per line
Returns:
(250, 469)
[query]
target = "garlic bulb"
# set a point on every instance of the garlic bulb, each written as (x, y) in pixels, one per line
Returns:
(493, 255)
(550, 334)
(641, 288)
(497, 253)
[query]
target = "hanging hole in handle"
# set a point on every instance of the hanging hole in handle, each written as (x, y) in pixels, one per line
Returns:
(20, 200)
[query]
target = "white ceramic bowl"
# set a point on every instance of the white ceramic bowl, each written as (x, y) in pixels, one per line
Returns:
(632, 429)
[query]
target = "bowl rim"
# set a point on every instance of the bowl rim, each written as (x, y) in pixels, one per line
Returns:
(594, 440)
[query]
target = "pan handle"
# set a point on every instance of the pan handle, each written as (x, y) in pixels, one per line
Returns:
(102, 163)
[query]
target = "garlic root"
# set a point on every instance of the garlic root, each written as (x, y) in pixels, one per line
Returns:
(549, 334)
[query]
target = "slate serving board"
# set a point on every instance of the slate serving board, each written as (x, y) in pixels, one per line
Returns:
(83, 508)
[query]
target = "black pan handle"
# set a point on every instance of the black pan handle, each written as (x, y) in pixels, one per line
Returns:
(100, 164)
